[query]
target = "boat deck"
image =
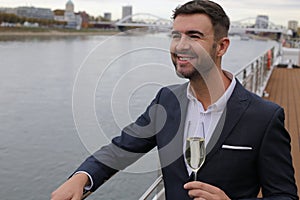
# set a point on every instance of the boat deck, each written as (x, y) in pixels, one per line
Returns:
(284, 89)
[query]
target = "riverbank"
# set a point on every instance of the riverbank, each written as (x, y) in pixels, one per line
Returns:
(21, 31)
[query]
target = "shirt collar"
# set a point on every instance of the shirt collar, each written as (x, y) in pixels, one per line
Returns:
(220, 104)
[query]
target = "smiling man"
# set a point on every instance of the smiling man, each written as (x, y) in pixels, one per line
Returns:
(247, 145)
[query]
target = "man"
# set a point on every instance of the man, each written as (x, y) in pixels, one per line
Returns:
(247, 145)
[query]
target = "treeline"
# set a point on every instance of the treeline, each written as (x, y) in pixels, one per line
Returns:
(14, 19)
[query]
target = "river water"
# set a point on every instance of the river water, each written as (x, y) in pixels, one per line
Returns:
(63, 97)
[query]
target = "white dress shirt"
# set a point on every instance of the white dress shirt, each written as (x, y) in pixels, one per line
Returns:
(200, 122)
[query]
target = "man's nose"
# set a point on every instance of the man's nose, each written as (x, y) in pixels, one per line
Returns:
(183, 43)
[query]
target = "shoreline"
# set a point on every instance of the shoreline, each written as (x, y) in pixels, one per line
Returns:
(51, 32)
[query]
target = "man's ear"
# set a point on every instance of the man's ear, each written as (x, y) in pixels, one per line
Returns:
(222, 46)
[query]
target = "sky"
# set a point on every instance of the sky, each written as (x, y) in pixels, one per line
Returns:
(279, 11)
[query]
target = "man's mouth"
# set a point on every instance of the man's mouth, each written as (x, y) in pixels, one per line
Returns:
(185, 58)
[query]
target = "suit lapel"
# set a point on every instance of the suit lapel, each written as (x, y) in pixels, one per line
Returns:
(217, 133)
(182, 98)
(236, 106)
(173, 150)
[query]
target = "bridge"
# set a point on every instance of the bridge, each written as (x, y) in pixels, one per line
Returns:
(138, 20)
(247, 25)
(144, 20)
(242, 26)
(150, 21)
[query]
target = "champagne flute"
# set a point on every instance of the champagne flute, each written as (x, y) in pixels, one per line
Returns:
(195, 153)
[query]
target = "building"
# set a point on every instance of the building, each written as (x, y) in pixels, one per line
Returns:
(262, 21)
(59, 15)
(30, 12)
(85, 19)
(293, 25)
(8, 10)
(69, 7)
(107, 16)
(127, 11)
(33, 12)
(69, 15)
(74, 20)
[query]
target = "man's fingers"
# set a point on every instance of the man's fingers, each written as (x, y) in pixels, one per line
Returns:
(76, 197)
(202, 186)
(200, 190)
(193, 193)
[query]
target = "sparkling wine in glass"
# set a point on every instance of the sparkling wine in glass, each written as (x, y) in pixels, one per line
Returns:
(195, 153)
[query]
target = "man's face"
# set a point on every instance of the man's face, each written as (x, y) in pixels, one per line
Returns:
(193, 48)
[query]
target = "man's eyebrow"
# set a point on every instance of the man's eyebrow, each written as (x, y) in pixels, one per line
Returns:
(191, 32)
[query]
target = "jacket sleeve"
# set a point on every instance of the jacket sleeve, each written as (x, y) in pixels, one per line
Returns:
(275, 166)
(135, 140)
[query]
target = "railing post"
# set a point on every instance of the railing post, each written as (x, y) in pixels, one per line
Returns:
(262, 74)
(259, 74)
(253, 77)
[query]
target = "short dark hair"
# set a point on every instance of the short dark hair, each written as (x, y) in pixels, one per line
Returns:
(214, 11)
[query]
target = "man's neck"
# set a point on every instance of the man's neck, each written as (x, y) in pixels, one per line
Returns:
(209, 88)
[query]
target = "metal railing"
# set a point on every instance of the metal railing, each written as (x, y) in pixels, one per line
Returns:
(255, 75)
(155, 191)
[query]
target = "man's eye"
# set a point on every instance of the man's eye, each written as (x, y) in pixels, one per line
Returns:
(195, 36)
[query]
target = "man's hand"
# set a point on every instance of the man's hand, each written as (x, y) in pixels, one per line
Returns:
(203, 191)
(72, 189)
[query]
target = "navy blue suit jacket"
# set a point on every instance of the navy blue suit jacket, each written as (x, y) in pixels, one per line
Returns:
(256, 125)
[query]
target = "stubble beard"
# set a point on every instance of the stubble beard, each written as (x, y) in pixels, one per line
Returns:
(192, 74)
(199, 70)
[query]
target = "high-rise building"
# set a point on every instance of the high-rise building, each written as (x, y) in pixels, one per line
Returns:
(262, 21)
(107, 16)
(293, 25)
(127, 11)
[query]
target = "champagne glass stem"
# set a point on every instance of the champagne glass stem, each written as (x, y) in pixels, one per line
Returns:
(195, 175)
